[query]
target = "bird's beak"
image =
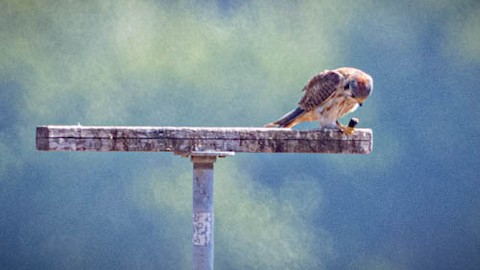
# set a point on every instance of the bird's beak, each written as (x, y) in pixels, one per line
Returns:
(360, 101)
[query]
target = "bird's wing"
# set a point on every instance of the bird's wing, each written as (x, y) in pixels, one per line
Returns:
(319, 89)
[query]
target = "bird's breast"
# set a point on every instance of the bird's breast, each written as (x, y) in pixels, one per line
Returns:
(335, 107)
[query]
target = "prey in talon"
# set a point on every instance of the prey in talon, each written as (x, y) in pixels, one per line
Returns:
(328, 96)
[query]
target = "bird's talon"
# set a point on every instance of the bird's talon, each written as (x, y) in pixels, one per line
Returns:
(346, 130)
(349, 130)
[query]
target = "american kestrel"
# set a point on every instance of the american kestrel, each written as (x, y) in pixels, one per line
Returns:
(328, 96)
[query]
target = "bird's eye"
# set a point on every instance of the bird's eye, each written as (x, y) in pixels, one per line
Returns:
(347, 86)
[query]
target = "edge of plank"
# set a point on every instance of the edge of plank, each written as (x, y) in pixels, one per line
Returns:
(119, 138)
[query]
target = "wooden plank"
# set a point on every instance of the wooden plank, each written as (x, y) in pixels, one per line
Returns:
(198, 139)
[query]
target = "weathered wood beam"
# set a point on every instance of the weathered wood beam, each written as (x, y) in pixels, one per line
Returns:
(185, 140)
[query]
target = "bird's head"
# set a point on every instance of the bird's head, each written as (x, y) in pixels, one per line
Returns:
(361, 86)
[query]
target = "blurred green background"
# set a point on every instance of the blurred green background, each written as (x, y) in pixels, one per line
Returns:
(414, 203)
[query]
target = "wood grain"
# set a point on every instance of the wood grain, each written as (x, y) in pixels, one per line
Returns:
(185, 140)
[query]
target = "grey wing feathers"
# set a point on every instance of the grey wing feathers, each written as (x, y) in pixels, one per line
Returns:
(319, 88)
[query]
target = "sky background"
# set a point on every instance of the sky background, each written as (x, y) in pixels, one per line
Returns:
(413, 203)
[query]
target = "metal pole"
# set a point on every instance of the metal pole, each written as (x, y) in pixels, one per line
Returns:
(202, 206)
(203, 212)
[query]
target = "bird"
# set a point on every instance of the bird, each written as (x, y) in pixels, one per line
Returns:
(328, 96)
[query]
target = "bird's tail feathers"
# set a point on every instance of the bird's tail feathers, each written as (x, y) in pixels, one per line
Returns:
(288, 120)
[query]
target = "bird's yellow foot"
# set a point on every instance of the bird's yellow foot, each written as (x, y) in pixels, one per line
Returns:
(350, 129)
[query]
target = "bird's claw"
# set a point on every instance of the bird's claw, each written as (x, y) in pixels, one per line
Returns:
(347, 130)
(350, 129)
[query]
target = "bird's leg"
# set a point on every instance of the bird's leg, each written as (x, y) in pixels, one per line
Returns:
(348, 129)
(341, 127)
